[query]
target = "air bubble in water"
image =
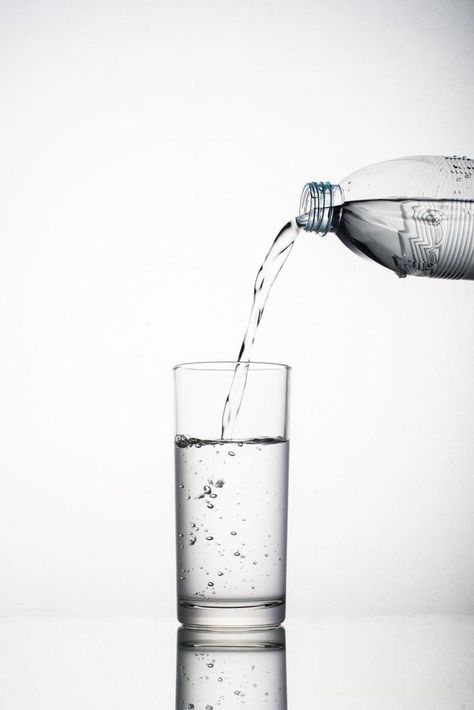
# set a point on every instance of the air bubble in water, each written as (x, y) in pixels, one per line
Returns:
(181, 485)
(213, 495)
(210, 665)
(209, 505)
(209, 537)
(192, 540)
(220, 574)
(232, 532)
(237, 554)
(210, 584)
(231, 453)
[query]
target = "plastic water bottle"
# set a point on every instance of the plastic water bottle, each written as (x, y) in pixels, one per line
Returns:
(413, 215)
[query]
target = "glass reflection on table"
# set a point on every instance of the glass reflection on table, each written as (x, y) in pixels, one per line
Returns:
(226, 670)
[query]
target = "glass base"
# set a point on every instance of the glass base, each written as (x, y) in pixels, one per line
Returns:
(207, 614)
(231, 639)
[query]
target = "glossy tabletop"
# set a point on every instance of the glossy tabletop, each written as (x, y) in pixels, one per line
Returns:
(383, 663)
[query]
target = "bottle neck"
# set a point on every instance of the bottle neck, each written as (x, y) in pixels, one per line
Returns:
(318, 204)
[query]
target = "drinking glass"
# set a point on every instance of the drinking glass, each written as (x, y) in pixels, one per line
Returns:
(231, 496)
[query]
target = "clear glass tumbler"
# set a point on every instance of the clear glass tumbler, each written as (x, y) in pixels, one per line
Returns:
(231, 496)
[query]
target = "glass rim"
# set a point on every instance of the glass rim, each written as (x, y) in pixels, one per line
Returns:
(229, 365)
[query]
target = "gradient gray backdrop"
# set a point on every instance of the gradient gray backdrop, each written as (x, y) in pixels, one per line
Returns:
(149, 153)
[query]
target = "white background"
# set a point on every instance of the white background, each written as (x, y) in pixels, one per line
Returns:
(149, 153)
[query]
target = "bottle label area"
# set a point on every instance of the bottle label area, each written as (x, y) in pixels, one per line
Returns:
(436, 240)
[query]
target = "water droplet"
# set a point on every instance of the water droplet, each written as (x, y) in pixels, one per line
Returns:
(209, 505)
(210, 584)
(209, 537)
(232, 532)
(231, 453)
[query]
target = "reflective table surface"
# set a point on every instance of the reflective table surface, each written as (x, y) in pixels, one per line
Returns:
(399, 663)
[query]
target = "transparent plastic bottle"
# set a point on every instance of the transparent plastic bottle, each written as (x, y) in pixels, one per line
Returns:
(412, 215)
